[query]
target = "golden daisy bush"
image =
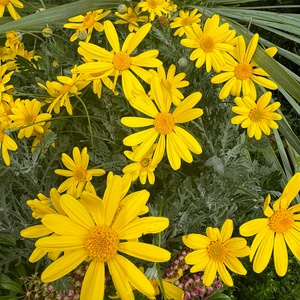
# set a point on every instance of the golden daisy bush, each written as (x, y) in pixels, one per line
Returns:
(258, 117)
(185, 19)
(9, 4)
(279, 229)
(176, 141)
(88, 22)
(94, 233)
(216, 251)
(210, 44)
(78, 174)
(28, 117)
(242, 72)
(143, 167)
(119, 61)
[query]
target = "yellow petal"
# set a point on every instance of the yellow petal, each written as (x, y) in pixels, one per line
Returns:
(63, 265)
(139, 36)
(226, 230)
(225, 276)
(189, 140)
(292, 238)
(60, 243)
(264, 252)
(141, 226)
(198, 258)
(173, 156)
(290, 191)
(144, 251)
(112, 35)
(280, 255)
(210, 273)
(135, 202)
(234, 265)
(188, 103)
(196, 241)
(36, 255)
(35, 231)
(135, 122)
(135, 276)
(253, 227)
(91, 288)
(138, 137)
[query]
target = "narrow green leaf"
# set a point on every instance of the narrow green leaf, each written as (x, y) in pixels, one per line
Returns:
(56, 14)
(288, 133)
(7, 239)
(11, 286)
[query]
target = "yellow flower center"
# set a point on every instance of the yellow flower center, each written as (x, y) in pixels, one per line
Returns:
(29, 119)
(281, 221)
(256, 115)
(207, 44)
(153, 3)
(80, 174)
(186, 22)
(145, 162)
(217, 251)
(122, 61)
(65, 89)
(88, 20)
(243, 71)
(164, 123)
(102, 243)
(4, 2)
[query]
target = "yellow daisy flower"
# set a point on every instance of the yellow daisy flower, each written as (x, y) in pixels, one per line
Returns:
(281, 227)
(185, 19)
(12, 38)
(89, 22)
(216, 251)
(241, 73)
(10, 6)
(154, 7)
(62, 90)
(171, 8)
(131, 17)
(4, 79)
(27, 113)
(143, 167)
(177, 141)
(78, 174)
(171, 83)
(119, 61)
(211, 43)
(6, 142)
(79, 235)
(256, 117)
(41, 207)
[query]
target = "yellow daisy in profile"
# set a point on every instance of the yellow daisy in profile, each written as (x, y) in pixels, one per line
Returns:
(41, 207)
(175, 140)
(6, 142)
(154, 7)
(185, 19)
(28, 114)
(99, 236)
(171, 83)
(119, 61)
(4, 87)
(132, 18)
(241, 73)
(280, 228)
(78, 174)
(9, 4)
(256, 117)
(39, 136)
(61, 91)
(211, 43)
(12, 38)
(143, 167)
(216, 251)
(90, 22)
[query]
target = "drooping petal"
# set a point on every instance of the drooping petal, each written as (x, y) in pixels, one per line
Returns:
(93, 285)
(189, 140)
(224, 274)
(63, 265)
(235, 265)
(135, 276)
(280, 255)
(210, 272)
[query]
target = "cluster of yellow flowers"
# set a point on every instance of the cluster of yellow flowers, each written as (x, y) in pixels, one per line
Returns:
(84, 226)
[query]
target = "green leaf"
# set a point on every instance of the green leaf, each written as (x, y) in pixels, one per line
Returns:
(59, 13)
(288, 133)
(11, 286)
(219, 296)
(7, 239)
